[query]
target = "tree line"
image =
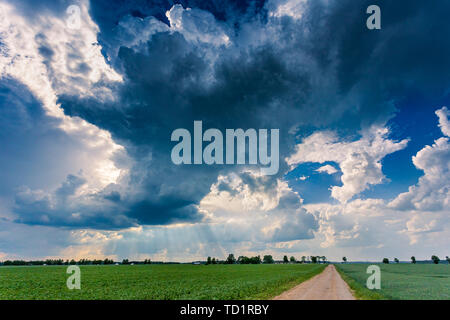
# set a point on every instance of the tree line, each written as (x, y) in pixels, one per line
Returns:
(55, 262)
(435, 259)
(267, 259)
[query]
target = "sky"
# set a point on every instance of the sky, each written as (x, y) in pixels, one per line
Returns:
(90, 92)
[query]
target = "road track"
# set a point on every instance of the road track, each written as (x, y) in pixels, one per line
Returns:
(327, 285)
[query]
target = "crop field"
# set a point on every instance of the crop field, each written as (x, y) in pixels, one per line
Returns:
(400, 281)
(155, 281)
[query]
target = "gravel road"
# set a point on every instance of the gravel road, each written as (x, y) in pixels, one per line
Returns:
(327, 285)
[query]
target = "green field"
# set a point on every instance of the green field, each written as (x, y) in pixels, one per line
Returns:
(400, 281)
(155, 281)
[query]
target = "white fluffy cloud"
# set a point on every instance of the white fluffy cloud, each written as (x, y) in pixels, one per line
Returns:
(359, 161)
(327, 169)
(432, 192)
(444, 123)
(273, 214)
(197, 25)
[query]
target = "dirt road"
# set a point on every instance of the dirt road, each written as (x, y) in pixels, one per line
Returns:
(327, 285)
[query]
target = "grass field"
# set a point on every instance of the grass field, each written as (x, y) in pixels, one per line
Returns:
(155, 281)
(400, 281)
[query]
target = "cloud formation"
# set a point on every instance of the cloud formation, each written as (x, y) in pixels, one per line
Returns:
(95, 107)
(432, 192)
(359, 161)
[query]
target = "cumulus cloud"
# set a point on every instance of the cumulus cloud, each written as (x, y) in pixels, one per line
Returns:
(272, 214)
(432, 192)
(329, 169)
(359, 161)
(444, 123)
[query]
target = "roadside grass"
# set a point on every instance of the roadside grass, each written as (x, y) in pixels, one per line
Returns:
(400, 281)
(155, 282)
(359, 290)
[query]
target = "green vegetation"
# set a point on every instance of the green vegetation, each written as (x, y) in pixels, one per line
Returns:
(249, 281)
(268, 259)
(400, 281)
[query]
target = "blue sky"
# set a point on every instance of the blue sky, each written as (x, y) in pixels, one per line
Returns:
(87, 108)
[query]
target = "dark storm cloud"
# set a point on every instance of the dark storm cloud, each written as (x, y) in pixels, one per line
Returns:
(108, 13)
(166, 90)
(381, 67)
(324, 70)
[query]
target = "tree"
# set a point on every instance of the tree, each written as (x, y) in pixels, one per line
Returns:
(268, 259)
(303, 259)
(386, 260)
(292, 259)
(125, 261)
(242, 260)
(324, 259)
(213, 261)
(448, 259)
(344, 259)
(231, 259)
(413, 260)
(208, 260)
(285, 259)
(256, 260)
(313, 259)
(396, 260)
(435, 259)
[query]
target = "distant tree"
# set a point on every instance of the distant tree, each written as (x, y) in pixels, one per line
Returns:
(242, 260)
(396, 260)
(386, 260)
(303, 259)
(147, 261)
(285, 259)
(448, 259)
(231, 259)
(125, 261)
(292, 259)
(213, 261)
(435, 259)
(247, 260)
(413, 260)
(268, 259)
(255, 260)
(344, 259)
(324, 259)
(208, 261)
(313, 259)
